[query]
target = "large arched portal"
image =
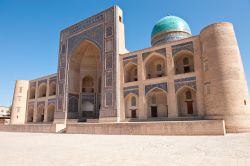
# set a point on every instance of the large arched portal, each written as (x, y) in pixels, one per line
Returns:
(85, 75)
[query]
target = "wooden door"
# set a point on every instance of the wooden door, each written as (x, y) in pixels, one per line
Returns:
(190, 107)
(153, 111)
(133, 113)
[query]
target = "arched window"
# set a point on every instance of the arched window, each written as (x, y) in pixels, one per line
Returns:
(87, 84)
(158, 67)
(133, 101)
(185, 61)
(153, 99)
(188, 95)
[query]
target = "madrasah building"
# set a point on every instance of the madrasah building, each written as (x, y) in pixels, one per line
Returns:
(180, 77)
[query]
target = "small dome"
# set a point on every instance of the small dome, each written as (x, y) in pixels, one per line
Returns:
(168, 29)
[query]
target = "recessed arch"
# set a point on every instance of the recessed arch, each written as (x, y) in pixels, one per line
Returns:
(32, 93)
(40, 113)
(50, 112)
(184, 62)
(130, 72)
(157, 103)
(152, 64)
(52, 88)
(88, 84)
(42, 90)
(186, 100)
(85, 73)
(30, 115)
(131, 106)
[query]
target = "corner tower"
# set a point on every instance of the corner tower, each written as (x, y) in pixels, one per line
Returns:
(226, 92)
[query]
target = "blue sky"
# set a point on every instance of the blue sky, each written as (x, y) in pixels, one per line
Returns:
(29, 30)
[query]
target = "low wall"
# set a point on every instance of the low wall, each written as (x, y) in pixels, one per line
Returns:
(33, 128)
(198, 127)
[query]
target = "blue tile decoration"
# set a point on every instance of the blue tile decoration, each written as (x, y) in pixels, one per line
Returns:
(183, 46)
(133, 60)
(94, 34)
(189, 81)
(52, 101)
(73, 102)
(131, 89)
(130, 57)
(89, 22)
(163, 86)
(161, 51)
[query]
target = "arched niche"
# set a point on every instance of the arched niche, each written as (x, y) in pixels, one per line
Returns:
(131, 106)
(50, 112)
(157, 103)
(52, 88)
(186, 100)
(42, 89)
(155, 66)
(184, 62)
(85, 75)
(130, 73)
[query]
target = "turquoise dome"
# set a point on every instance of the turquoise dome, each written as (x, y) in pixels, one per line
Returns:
(170, 23)
(169, 28)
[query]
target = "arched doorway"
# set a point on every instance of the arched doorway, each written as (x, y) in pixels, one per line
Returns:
(131, 106)
(85, 75)
(40, 113)
(157, 103)
(30, 115)
(186, 98)
(50, 112)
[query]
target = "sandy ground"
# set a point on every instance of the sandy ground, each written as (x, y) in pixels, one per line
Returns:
(21, 149)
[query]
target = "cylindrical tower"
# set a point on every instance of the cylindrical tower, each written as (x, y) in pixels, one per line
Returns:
(18, 111)
(225, 87)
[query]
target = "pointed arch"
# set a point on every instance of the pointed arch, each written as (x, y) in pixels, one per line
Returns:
(184, 62)
(154, 62)
(131, 106)
(157, 103)
(186, 101)
(130, 72)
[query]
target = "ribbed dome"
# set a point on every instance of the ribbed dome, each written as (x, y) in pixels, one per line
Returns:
(167, 28)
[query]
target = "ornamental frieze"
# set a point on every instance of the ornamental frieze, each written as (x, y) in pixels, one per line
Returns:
(161, 51)
(162, 86)
(131, 89)
(189, 81)
(184, 46)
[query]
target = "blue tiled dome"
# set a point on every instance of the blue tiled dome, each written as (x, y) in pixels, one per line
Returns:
(171, 24)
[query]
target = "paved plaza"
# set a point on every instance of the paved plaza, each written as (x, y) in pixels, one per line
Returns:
(21, 149)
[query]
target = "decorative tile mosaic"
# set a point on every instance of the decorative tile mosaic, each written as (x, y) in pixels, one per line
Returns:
(161, 51)
(109, 61)
(108, 78)
(109, 31)
(108, 98)
(94, 34)
(73, 103)
(163, 86)
(189, 81)
(184, 46)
